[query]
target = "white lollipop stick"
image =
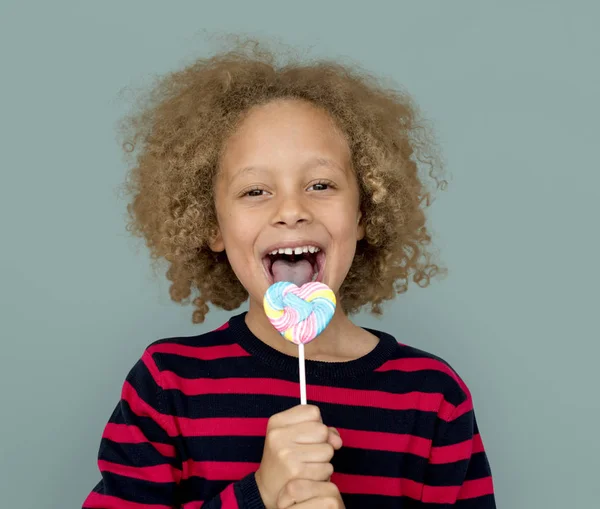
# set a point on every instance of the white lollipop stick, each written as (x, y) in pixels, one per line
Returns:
(302, 374)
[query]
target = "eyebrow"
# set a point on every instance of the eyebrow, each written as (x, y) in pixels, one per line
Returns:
(324, 161)
(311, 163)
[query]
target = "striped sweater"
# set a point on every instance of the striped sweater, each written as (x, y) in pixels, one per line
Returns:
(189, 429)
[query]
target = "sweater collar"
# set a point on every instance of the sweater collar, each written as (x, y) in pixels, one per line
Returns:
(322, 370)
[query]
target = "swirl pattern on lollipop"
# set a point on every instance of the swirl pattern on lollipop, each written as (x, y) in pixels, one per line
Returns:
(300, 314)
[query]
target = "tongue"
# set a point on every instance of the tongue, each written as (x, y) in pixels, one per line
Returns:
(299, 272)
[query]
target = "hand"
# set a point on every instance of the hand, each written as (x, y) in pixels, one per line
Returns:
(297, 446)
(303, 494)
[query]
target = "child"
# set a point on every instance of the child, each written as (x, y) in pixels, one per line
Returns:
(248, 173)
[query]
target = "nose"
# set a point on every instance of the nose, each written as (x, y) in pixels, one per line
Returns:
(292, 211)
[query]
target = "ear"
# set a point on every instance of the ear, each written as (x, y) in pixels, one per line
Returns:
(216, 243)
(360, 227)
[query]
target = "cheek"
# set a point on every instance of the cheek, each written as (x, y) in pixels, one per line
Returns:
(239, 232)
(348, 223)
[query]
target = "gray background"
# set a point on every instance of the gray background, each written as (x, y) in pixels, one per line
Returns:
(512, 90)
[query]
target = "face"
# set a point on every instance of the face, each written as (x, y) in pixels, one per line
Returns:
(286, 183)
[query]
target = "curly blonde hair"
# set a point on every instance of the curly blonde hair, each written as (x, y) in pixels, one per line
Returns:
(174, 140)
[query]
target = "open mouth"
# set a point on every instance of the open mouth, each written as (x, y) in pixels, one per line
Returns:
(298, 265)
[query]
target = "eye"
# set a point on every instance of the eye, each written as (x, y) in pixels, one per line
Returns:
(254, 192)
(321, 186)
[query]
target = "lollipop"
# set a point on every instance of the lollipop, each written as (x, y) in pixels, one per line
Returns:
(300, 314)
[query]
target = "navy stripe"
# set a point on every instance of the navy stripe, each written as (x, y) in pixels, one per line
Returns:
(383, 502)
(413, 422)
(379, 463)
(198, 488)
(223, 449)
(138, 490)
(479, 467)
(394, 382)
(116, 452)
(152, 431)
(454, 432)
(484, 502)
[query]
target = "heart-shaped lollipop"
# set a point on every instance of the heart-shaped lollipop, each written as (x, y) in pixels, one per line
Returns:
(300, 314)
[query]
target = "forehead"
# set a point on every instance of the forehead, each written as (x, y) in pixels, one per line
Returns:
(285, 132)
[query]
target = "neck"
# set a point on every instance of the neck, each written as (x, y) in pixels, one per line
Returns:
(340, 341)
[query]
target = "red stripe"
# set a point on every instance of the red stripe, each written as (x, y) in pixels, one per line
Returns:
(377, 485)
(130, 434)
(451, 453)
(439, 494)
(381, 441)
(257, 427)
(196, 504)
(463, 408)
(100, 501)
(398, 487)
(218, 470)
(150, 363)
(456, 452)
(228, 499)
(422, 364)
(205, 353)
(449, 494)
(155, 473)
(427, 402)
(227, 426)
(477, 444)
(143, 409)
(476, 488)
(223, 327)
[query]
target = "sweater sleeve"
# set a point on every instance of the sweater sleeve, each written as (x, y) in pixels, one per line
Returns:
(138, 460)
(458, 473)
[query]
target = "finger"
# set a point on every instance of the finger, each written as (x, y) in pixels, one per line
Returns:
(314, 471)
(302, 490)
(308, 433)
(314, 453)
(295, 415)
(334, 439)
(285, 441)
(320, 503)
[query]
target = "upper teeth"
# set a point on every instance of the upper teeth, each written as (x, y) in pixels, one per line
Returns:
(295, 250)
